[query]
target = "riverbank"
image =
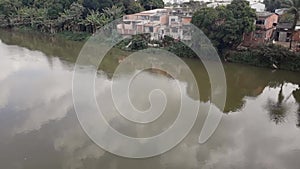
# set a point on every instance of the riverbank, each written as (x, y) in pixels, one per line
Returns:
(267, 56)
(68, 35)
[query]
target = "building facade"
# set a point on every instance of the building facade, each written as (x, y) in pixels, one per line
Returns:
(158, 23)
(264, 29)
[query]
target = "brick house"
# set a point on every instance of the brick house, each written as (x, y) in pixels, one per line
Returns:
(264, 29)
(158, 23)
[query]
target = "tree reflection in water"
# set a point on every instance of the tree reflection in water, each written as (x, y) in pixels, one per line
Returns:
(277, 109)
(296, 94)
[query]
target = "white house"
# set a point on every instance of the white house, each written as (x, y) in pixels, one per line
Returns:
(259, 7)
(255, 4)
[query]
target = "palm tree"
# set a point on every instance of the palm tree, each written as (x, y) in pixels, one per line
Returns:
(114, 12)
(71, 18)
(96, 19)
(26, 13)
(294, 8)
(10, 7)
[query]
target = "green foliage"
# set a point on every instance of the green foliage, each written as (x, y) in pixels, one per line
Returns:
(267, 56)
(140, 42)
(54, 16)
(130, 6)
(193, 5)
(294, 9)
(97, 19)
(272, 5)
(243, 14)
(114, 12)
(97, 4)
(134, 7)
(152, 4)
(225, 26)
(181, 50)
(286, 18)
(9, 7)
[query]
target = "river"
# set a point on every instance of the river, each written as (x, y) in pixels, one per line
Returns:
(39, 128)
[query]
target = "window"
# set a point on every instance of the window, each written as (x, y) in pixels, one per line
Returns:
(175, 30)
(173, 20)
(155, 18)
(260, 22)
(258, 35)
(151, 29)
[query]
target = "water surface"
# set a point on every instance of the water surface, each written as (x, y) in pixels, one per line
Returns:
(39, 128)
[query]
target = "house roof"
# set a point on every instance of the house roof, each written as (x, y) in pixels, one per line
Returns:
(264, 14)
(285, 25)
(281, 11)
(154, 11)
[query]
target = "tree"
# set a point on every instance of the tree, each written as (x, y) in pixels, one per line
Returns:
(74, 12)
(294, 8)
(9, 7)
(272, 5)
(97, 4)
(278, 110)
(225, 26)
(114, 12)
(54, 7)
(27, 2)
(134, 7)
(286, 18)
(243, 14)
(71, 17)
(205, 19)
(96, 19)
(140, 42)
(27, 12)
(193, 5)
(152, 4)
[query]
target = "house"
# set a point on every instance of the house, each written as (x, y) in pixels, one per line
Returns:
(265, 26)
(284, 31)
(259, 7)
(173, 22)
(143, 22)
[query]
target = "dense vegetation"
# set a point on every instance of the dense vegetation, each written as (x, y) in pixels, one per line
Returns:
(272, 5)
(271, 56)
(55, 16)
(225, 26)
(293, 9)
